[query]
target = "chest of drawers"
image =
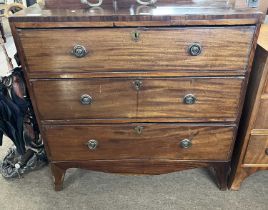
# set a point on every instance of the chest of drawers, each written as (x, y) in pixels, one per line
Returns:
(251, 152)
(143, 90)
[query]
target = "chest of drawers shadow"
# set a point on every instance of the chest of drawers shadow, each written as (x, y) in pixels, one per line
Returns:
(141, 94)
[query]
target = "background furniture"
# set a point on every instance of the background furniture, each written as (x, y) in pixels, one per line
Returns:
(2, 33)
(251, 152)
(262, 5)
(131, 89)
(5, 11)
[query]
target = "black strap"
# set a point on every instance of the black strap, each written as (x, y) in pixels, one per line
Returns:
(1, 137)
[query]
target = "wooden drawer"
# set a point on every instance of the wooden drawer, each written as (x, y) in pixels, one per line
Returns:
(257, 151)
(262, 116)
(61, 99)
(139, 141)
(217, 99)
(223, 48)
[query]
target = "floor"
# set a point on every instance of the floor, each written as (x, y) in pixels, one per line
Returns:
(191, 189)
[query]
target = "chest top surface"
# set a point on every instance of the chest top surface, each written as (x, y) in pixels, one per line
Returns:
(114, 13)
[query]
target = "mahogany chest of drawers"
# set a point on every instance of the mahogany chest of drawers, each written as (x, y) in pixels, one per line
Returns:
(131, 89)
(251, 152)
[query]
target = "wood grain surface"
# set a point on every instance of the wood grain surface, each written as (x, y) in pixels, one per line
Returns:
(157, 49)
(150, 166)
(60, 99)
(262, 116)
(52, 4)
(256, 150)
(138, 74)
(156, 141)
(45, 37)
(129, 13)
(249, 154)
(263, 38)
(216, 98)
(242, 173)
(153, 167)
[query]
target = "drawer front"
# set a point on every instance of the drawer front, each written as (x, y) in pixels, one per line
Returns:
(130, 49)
(61, 99)
(257, 151)
(139, 141)
(197, 98)
(262, 116)
(206, 98)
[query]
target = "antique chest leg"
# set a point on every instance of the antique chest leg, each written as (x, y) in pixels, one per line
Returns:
(58, 175)
(241, 174)
(221, 173)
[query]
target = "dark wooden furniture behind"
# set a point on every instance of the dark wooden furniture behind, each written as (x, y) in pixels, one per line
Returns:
(131, 89)
(251, 152)
(2, 31)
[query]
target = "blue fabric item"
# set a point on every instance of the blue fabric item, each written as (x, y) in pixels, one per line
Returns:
(12, 112)
(11, 119)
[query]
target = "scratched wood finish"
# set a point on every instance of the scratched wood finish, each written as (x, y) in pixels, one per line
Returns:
(256, 150)
(157, 98)
(156, 49)
(123, 142)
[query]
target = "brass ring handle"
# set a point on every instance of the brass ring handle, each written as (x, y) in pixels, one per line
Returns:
(266, 151)
(86, 99)
(185, 143)
(92, 144)
(79, 51)
(195, 49)
(189, 99)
